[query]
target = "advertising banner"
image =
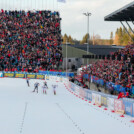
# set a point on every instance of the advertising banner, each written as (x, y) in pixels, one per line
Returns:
(133, 109)
(82, 92)
(110, 103)
(19, 75)
(61, 80)
(88, 95)
(93, 97)
(73, 87)
(46, 77)
(1, 74)
(128, 107)
(77, 90)
(118, 106)
(98, 100)
(10, 75)
(39, 76)
(104, 101)
(31, 76)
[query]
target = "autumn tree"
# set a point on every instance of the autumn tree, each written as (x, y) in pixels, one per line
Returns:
(111, 38)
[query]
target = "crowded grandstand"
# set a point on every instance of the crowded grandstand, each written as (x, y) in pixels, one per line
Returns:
(30, 41)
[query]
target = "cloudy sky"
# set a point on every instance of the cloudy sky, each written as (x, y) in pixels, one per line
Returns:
(74, 23)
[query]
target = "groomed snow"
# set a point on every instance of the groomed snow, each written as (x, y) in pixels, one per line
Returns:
(22, 111)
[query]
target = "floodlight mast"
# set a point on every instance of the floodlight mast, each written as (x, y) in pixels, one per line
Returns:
(87, 14)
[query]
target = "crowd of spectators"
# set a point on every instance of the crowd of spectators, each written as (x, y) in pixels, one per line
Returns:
(30, 41)
(120, 72)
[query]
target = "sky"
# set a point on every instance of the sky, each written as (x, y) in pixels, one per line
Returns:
(73, 22)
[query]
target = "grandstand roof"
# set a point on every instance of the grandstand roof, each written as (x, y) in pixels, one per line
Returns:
(125, 13)
(98, 49)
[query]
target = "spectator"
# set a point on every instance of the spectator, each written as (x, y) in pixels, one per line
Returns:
(30, 41)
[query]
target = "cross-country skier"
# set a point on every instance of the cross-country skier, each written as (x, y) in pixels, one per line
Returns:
(54, 89)
(44, 87)
(27, 80)
(36, 85)
(45, 84)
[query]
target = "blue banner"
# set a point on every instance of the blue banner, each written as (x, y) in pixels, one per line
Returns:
(57, 73)
(73, 87)
(1, 74)
(128, 105)
(88, 95)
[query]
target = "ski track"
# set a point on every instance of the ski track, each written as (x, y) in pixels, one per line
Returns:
(25, 112)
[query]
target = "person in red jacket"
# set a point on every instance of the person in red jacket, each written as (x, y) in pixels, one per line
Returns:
(120, 95)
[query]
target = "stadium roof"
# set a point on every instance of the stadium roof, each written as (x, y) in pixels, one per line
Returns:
(126, 13)
(98, 49)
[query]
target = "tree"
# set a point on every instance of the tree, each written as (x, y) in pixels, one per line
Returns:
(65, 39)
(97, 39)
(70, 40)
(111, 38)
(85, 39)
(120, 34)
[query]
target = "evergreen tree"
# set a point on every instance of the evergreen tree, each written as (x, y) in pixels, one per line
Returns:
(111, 38)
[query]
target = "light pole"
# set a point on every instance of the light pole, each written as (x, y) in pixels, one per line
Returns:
(87, 14)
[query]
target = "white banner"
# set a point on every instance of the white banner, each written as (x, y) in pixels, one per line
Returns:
(110, 103)
(96, 98)
(118, 105)
(93, 97)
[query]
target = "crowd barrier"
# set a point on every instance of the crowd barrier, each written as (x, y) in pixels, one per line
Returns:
(100, 99)
(31, 76)
(69, 74)
(109, 85)
(110, 101)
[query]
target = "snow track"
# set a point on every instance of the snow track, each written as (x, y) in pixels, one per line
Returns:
(22, 111)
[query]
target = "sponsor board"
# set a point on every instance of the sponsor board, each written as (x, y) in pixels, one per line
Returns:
(47, 77)
(128, 107)
(39, 76)
(77, 90)
(103, 101)
(60, 79)
(133, 109)
(19, 75)
(82, 92)
(118, 106)
(110, 103)
(73, 86)
(31, 76)
(88, 95)
(96, 98)
(10, 75)
(93, 97)
(1, 74)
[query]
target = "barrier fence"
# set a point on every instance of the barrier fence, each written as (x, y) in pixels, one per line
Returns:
(109, 85)
(70, 74)
(124, 105)
(110, 101)
(31, 76)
